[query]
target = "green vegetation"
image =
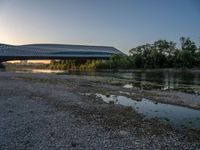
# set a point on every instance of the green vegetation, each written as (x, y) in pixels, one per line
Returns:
(160, 54)
(74, 64)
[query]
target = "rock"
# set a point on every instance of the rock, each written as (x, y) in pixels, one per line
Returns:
(111, 102)
(107, 95)
(74, 144)
(123, 133)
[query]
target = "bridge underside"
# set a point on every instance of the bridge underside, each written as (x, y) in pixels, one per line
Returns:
(55, 52)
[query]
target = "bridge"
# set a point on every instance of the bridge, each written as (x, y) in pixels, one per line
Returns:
(55, 51)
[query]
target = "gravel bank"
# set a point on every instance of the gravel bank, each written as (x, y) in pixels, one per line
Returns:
(41, 111)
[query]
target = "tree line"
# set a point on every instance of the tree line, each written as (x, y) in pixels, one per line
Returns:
(160, 54)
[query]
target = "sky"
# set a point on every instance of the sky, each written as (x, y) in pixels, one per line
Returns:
(123, 24)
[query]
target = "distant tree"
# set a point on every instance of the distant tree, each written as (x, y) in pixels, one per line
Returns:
(139, 49)
(189, 50)
(188, 45)
(198, 57)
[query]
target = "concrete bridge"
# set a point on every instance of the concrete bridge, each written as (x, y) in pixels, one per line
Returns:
(55, 51)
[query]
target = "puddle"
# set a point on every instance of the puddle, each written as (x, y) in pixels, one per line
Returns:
(176, 115)
(45, 71)
(143, 85)
(126, 93)
(128, 86)
(148, 86)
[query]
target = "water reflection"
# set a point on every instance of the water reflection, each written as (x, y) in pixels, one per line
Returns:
(169, 79)
(166, 79)
(45, 71)
(176, 115)
(37, 71)
(183, 81)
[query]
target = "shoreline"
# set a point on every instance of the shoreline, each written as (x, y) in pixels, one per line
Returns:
(173, 97)
(43, 66)
(27, 100)
(167, 97)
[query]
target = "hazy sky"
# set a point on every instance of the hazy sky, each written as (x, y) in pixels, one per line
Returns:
(123, 24)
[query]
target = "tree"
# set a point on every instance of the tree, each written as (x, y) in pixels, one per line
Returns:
(197, 58)
(139, 49)
(189, 50)
(188, 45)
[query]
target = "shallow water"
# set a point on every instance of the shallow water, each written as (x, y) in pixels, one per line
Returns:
(48, 71)
(169, 79)
(184, 81)
(166, 80)
(176, 115)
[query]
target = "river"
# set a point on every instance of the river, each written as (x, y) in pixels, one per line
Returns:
(162, 80)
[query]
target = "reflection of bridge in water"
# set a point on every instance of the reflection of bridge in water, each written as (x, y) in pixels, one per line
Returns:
(55, 51)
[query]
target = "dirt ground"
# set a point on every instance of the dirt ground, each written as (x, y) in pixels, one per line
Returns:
(47, 111)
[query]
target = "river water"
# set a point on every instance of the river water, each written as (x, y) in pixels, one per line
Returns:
(172, 80)
(184, 81)
(173, 114)
(169, 79)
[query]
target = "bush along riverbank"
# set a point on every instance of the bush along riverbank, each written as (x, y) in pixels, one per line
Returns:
(72, 64)
(160, 54)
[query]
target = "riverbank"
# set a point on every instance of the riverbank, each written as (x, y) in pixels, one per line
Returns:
(48, 111)
(18, 67)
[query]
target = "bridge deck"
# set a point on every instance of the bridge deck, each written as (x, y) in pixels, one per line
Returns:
(55, 51)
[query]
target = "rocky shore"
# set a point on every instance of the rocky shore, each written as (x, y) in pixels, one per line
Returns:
(46, 111)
